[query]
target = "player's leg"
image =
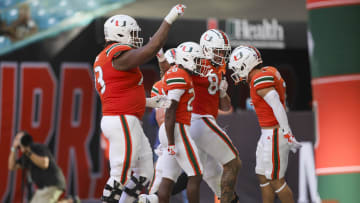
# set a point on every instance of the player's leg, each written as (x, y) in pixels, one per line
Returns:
(279, 185)
(170, 173)
(208, 136)
(213, 171)
(161, 161)
(271, 163)
(164, 193)
(193, 188)
(187, 156)
(116, 129)
(264, 164)
(167, 172)
(267, 193)
(282, 190)
(143, 168)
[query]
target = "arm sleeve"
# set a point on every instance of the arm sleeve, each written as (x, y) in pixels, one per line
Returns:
(175, 94)
(272, 98)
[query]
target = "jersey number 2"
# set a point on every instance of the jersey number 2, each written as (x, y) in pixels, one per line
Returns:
(99, 79)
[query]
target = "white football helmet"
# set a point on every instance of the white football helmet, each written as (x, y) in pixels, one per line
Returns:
(216, 46)
(170, 55)
(191, 57)
(123, 29)
(242, 60)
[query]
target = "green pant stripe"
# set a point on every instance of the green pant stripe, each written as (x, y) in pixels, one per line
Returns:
(221, 135)
(276, 158)
(190, 151)
(128, 150)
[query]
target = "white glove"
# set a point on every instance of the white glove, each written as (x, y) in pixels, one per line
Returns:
(174, 13)
(160, 55)
(171, 150)
(153, 198)
(223, 88)
(160, 101)
(292, 142)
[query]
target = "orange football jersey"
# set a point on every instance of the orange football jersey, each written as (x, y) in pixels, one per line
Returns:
(178, 78)
(207, 91)
(121, 92)
(268, 77)
(156, 89)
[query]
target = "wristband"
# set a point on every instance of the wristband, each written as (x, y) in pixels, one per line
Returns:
(13, 149)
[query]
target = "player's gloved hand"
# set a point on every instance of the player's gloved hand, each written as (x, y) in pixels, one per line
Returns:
(160, 101)
(171, 150)
(292, 142)
(223, 88)
(160, 55)
(176, 11)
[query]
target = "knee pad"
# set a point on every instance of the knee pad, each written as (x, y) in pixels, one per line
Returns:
(112, 191)
(265, 184)
(136, 186)
(280, 188)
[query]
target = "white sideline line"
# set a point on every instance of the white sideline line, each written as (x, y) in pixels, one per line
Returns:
(337, 170)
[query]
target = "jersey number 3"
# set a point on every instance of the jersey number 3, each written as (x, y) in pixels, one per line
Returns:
(99, 79)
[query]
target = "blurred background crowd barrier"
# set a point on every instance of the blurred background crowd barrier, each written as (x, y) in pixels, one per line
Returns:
(28, 20)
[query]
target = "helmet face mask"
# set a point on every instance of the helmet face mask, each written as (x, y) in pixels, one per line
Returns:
(242, 60)
(216, 46)
(191, 57)
(135, 39)
(123, 29)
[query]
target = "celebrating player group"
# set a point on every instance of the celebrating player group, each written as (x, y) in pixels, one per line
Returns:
(192, 89)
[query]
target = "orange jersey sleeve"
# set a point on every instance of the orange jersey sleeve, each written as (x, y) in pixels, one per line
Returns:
(268, 77)
(114, 50)
(156, 89)
(178, 78)
(121, 92)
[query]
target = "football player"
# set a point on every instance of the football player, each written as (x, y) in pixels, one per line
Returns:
(267, 92)
(210, 96)
(182, 153)
(119, 83)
